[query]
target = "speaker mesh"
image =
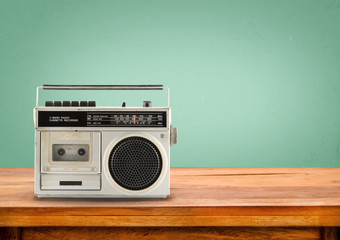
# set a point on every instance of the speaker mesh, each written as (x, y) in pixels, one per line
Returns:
(135, 163)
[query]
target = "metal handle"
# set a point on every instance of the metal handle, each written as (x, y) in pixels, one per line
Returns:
(101, 87)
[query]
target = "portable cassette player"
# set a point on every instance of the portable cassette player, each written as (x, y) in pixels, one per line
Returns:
(86, 151)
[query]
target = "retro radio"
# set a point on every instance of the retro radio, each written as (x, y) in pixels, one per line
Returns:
(84, 151)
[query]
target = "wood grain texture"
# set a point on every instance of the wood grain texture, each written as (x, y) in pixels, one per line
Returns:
(329, 233)
(199, 197)
(11, 233)
(198, 233)
(166, 221)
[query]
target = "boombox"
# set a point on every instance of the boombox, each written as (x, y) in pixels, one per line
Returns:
(86, 151)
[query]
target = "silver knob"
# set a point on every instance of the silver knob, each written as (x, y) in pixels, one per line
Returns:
(147, 104)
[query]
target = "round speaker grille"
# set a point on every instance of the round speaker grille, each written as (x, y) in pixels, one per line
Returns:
(135, 163)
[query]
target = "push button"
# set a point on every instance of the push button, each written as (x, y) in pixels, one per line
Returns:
(70, 104)
(92, 103)
(57, 103)
(49, 104)
(66, 103)
(75, 104)
(83, 103)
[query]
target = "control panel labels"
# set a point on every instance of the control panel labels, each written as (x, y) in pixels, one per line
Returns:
(101, 119)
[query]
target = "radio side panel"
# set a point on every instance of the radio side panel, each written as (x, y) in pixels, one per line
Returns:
(37, 162)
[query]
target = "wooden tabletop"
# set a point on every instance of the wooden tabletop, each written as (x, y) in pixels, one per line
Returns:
(199, 197)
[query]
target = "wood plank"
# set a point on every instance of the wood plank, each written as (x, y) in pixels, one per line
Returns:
(287, 195)
(194, 188)
(199, 233)
(178, 211)
(171, 221)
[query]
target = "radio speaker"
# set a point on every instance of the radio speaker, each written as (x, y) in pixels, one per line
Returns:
(135, 163)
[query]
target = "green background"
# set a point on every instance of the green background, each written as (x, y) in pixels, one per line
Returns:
(253, 83)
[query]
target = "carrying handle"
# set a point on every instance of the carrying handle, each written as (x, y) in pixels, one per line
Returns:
(101, 87)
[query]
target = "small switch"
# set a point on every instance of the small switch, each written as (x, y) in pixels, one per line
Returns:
(49, 104)
(92, 103)
(57, 103)
(75, 104)
(124, 104)
(66, 103)
(83, 103)
(147, 104)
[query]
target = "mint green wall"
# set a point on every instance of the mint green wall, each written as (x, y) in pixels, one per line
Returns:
(254, 83)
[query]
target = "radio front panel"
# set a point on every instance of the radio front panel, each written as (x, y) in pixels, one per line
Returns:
(86, 151)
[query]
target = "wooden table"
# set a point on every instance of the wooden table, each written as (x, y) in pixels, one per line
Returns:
(205, 203)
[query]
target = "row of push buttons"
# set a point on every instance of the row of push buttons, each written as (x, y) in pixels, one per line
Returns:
(70, 104)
